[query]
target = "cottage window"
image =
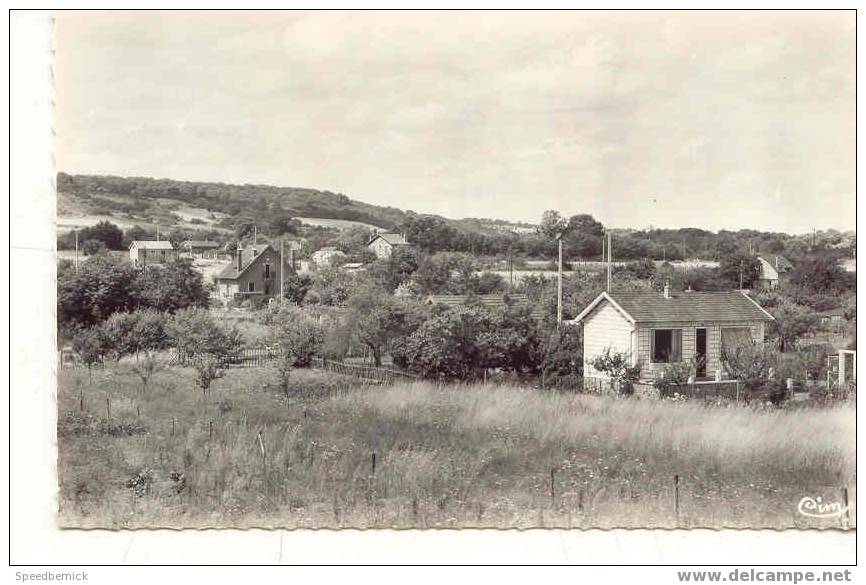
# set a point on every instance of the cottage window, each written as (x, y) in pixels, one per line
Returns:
(667, 345)
(251, 287)
(267, 270)
(734, 337)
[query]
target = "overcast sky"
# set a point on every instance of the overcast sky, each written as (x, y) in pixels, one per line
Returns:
(713, 120)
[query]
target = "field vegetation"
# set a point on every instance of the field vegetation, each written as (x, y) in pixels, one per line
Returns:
(334, 452)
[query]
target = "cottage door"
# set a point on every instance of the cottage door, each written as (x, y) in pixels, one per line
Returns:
(701, 353)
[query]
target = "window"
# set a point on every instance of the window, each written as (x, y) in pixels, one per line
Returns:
(734, 337)
(267, 270)
(667, 345)
(251, 287)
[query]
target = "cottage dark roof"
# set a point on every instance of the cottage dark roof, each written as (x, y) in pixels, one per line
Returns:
(152, 244)
(393, 239)
(653, 307)
(490, 301)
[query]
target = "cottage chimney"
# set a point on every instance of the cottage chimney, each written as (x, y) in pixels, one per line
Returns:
(666, 293)
(240, 249)
(777, 262)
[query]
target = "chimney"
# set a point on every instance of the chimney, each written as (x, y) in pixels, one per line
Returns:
(666, 293)
(240, 249)
(777, 262)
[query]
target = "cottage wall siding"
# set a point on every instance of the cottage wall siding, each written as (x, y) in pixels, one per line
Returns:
(605, 327)
(651, 370)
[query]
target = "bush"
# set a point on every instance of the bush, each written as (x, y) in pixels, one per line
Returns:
(616, 366)
(562, 365)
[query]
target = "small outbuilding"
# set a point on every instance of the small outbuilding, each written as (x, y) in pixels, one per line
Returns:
(200, 248)
(148, 252)
(656, 329)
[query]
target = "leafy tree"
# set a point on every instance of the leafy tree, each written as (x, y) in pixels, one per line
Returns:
(734, 265)
(430, 232)
(146, 369)
(93, 247)
(562, 365)
(821, 275)
(378, 320)
(172, 287)
(552, 224)
(284, 224)
(792, 321)
(583, 236)
(101, 286)
(106, 232)
(332, 286)
(750, 363)
(194, 332)
(298, 336)
(296, 286)
(90, 345)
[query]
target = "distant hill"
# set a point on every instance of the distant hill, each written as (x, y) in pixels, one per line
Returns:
(137, 194)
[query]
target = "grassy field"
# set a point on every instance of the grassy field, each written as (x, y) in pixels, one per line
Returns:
(445, 456)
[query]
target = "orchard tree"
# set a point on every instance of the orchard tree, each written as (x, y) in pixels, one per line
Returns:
(736, 268)
(174, 286)
(298, 335)
(792, 322)
(379, 321)
(820, 274)
(90, 345)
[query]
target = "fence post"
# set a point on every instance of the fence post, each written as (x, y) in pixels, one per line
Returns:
(847, 511)
(373, 461)
(107, 407)
(677, 498)
(552, 488)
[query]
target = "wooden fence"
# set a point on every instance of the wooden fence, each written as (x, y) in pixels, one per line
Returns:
(250, 357)
(370, 373)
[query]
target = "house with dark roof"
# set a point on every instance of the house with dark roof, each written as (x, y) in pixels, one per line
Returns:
(656, 329)
(254, 274)
(199, 248)
(487, 301)
(384, 244)
(149, 252)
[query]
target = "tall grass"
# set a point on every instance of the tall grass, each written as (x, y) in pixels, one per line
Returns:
(445, 456)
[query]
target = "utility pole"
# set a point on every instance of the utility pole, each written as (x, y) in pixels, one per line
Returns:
(76, 251)
(282, 267)
(510, 268)
(609, 258)
(741, 275)
(157, 232)
(255, 235)
(559, 286)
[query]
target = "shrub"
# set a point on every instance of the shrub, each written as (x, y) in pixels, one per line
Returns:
(616, 366)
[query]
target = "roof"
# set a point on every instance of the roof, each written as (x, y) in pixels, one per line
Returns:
(391, 238)
(199, 244)
(777, 261)
(248, 256)
(490, 301)
(328, 249)
(653, 307)
(152, 244)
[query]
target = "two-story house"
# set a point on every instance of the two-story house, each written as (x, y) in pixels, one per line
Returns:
(255, 274)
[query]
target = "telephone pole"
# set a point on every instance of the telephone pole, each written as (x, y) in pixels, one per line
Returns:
(559, 285)
(76, 251)
(609, 258)
(282, 266)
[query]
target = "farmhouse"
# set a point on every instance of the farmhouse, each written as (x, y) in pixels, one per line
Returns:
(487, 301)
(658, 329)
(200, 248)
(144, 252)
(384, 244)
(771, 268)
(254, 274)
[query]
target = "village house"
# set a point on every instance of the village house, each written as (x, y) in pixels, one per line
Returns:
(327, 257)
(254, 274)
(656, 329)
(384, 244)
(487, 301)
(149, 252)
(200, 248)
(771, 268)
(833, 319)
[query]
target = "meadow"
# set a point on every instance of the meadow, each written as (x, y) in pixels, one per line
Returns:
(334, 452)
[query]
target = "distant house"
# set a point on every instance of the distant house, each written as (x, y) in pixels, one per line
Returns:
(200, 248)
(383, 245)
(488, 301)
(255, 273)
(146, 252)
(771, 268)
(327, 257)
(657, 329)
(834, 318)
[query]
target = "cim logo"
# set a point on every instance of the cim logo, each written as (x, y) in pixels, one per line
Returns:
(816, 508)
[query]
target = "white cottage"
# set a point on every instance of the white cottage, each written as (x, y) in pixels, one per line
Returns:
(656, 329)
